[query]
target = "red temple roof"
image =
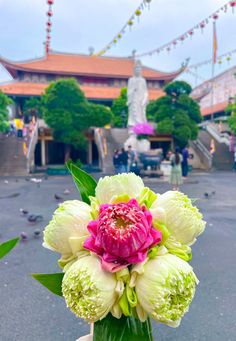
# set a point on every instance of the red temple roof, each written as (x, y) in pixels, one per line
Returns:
(91, 92)
(84, 65)
(219, 107)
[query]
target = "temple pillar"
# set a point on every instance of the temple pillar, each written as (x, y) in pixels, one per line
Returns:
(43, 153)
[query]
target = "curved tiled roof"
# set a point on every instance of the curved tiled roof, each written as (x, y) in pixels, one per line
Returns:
(219, 107)
(84, 65)
(91, 92)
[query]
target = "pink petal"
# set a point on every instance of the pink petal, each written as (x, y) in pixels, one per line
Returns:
(90, 245)
(138, 258)
(112, 267)
(93, 228)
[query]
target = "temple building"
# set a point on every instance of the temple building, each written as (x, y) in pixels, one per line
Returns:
(100, 78)
(215, 94)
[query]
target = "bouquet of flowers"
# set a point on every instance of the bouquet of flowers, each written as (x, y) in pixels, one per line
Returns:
(124, 254)
(143, 130)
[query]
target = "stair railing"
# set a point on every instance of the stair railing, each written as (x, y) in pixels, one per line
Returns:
(219, 137)
(99, 140)
(204, 152)
(31, 149)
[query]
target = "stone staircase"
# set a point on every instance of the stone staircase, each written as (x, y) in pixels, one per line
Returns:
(222, 158)
(12, 159)
(112, 139)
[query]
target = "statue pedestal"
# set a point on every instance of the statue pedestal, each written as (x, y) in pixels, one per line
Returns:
(140, 146)
(143, 146)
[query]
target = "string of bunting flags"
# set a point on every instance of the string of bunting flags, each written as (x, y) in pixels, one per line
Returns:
(129, 24)
(227, 56)
(192, 69)
(48, 26)
(190, 33)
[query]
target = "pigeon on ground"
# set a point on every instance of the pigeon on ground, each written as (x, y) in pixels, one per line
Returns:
(57, 197)
(66, 192)
(23, 211)
(37, 233)
(23, 236)
(209, 195)
(33, 218)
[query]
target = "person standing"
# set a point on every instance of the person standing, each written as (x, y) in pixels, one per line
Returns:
(176, 170)
(116, 161)
(124, 160)
(131, 155)
(185, 155)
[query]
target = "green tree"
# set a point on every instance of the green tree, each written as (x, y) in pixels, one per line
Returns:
(4, 119)
(120, 110)
(232, 119)
(69, 114)
(176, 113)
(34, 107)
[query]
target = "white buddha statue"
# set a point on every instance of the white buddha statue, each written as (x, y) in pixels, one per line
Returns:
(137, 97)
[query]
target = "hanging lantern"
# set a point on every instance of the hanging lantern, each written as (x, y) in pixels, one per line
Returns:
(119, 36)
(232, 4)
(47, 47)
(148, 2)
(202, 25)
(168, 49)
(228, 58)
(215, 16)
(191, 33)
(220, 61)
(174, 43)
(49, 24)
(48, 30)
(182, 38)
(138, 13)
(115, 41)
(49, 14)
(130, 23)
(50, 2)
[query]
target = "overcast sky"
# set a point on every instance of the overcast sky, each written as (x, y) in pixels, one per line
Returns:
(79, 24)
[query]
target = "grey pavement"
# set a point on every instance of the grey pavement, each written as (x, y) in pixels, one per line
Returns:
(31, 313)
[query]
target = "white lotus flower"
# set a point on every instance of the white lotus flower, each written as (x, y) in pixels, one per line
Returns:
(89, 291)
(183, 220)
(67, 230)
(165, 287)
(111, 187)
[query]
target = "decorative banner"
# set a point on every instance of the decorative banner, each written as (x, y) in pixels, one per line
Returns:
(136, 16)
(189, 34)
(49, 26)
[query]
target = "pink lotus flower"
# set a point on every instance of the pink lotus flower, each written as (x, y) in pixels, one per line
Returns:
(122, 235)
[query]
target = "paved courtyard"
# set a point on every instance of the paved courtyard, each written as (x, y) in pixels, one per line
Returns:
(30, 313)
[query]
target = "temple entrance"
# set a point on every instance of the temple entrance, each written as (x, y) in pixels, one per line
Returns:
(55, 152)
(163, 142)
